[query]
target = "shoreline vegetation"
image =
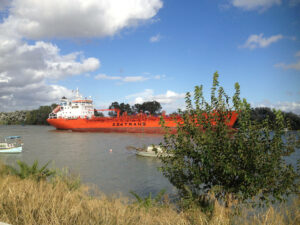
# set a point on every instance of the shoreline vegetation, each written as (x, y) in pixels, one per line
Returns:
(39, 116)
(33, 195)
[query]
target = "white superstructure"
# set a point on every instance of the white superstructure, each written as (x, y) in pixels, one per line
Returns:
(74, 108)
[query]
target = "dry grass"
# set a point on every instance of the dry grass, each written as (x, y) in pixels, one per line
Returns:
(30, 202)
(283, 214)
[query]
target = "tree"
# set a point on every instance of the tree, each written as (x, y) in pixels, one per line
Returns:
(153, 107)
(137, 108)
(293, 119)
(261, 113)
(114, 105)
(98, 114)
(125, 108)
(39, 116)
(233, 164)
(122, 107)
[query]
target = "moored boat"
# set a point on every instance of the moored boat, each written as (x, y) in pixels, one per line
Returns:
(153, 151)
(11, 144)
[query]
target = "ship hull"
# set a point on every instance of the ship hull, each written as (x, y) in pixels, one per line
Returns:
(108, 125)
(124, 124)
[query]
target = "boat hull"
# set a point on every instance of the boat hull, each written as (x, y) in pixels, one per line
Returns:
(153, 154)
(11, 150)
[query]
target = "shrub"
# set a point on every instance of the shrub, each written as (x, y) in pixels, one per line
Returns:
(149, 201)
(234, 165)
(34, 172)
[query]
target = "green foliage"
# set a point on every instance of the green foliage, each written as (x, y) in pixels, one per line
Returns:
(153, 107)
(34, 172)
(122, 107)
(148, 201)
(259, 114)
(98, 114)
(40, 115)
(233, 165)
(293, 119)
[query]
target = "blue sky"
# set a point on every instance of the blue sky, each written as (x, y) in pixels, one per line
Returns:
(141, 50)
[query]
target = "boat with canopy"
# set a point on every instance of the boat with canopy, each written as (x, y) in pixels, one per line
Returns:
(11, 144)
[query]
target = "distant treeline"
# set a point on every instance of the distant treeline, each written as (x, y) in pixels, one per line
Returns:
(31, 117)
(39, 116)
(259, 114)
(151, 107)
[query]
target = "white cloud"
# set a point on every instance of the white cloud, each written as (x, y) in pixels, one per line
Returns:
(283, 106)
(105, 77)
(123, 79)
(138, 100)
(134, 79)
(255, 4)
(295, 65)
(169, 97)
(170, 101)
(127, 79)
(146, 94)
(26, 68)
(4, 78)
(77, 18)
(258, 41)
(155, 38)
(158, 77)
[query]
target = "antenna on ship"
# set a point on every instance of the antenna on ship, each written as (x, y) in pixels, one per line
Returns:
(77, 95)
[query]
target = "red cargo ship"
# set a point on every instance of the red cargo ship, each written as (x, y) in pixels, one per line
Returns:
(78, 115)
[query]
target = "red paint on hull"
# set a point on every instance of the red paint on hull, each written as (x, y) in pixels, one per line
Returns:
(123, 124)
(130, 125)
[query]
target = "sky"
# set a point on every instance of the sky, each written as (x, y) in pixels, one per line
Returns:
(143, 50)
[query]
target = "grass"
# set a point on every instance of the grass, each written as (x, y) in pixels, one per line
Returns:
(63, 200)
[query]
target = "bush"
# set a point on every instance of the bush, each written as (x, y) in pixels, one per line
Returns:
(233, 165)
(34, 172)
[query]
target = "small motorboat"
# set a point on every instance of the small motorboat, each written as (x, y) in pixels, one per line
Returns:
(150, 151)
(11, 144)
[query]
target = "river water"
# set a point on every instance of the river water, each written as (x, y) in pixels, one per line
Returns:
(88, 154)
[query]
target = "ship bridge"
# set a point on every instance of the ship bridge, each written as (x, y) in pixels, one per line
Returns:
(73, 108)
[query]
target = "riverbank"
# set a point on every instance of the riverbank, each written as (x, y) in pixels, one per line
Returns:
(17, 117)
(63, 200)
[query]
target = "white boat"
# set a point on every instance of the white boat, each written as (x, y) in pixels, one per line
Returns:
(11, 144)
(153, 151)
